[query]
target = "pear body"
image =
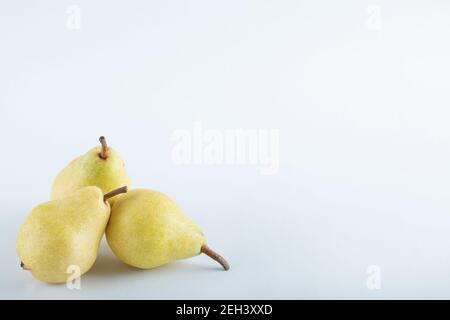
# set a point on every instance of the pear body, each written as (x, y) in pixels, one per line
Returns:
(91, 170)
(147, 229)
(63, 233)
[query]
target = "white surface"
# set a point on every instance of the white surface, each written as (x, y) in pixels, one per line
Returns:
(363, 117)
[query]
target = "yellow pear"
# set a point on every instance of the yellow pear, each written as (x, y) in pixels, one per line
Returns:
(101, 166)
(147, 229)
(62, 234)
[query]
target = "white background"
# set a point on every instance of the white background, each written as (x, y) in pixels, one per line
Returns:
(363, 115)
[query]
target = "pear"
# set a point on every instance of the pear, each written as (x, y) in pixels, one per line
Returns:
(101, 166)
(147, 229)
(63, 233)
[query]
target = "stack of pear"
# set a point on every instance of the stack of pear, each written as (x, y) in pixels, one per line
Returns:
(144, 228)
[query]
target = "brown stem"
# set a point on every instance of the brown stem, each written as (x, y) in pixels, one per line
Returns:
(104, 153)
(214, 255)
(115, 192)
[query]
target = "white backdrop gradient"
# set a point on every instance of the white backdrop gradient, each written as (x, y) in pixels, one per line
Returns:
(358, 91)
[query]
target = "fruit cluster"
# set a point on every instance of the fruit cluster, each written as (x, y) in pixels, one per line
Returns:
(90, 197)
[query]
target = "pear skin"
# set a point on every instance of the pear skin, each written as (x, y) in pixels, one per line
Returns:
(101, 167)
(147, 229)
(63, 233)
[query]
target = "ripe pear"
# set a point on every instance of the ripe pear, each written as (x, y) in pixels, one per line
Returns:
(147, 229)
(101, 166)
(64, 233)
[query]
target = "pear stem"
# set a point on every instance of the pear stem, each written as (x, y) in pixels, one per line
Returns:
(215, 256)
(115, 192)
(104, 153)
